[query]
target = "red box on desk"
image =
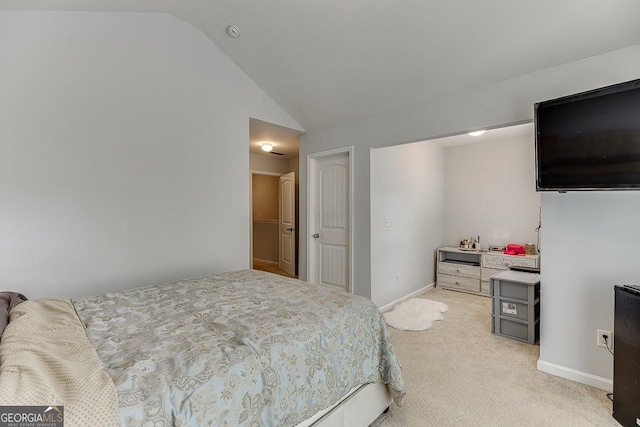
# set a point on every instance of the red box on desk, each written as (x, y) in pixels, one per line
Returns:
(514, 249)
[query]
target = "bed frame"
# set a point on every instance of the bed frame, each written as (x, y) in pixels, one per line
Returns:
(358, 408)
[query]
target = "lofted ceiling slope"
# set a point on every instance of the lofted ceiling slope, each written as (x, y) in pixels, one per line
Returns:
(333, 61)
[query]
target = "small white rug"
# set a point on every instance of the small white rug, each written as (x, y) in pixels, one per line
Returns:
(416, 314)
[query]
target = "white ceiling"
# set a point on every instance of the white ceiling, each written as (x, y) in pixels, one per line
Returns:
(332, 61)
(285, 141)
(511, 132)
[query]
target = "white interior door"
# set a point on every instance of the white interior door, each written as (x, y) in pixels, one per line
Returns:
(330, 225)
(288, 223)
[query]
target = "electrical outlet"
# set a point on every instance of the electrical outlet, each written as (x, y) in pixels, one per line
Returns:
(600, 341)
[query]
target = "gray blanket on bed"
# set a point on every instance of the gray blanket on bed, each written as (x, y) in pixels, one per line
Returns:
(8, 300)
(242, 348)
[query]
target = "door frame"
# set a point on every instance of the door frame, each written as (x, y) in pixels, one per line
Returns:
(312, 158)
(251, 173)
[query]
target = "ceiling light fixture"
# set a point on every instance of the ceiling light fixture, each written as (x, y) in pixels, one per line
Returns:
(477, 133)
(266, 147)
(233, 31)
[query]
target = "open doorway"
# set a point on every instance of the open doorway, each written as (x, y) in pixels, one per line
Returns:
(274, 195)
(273, 223)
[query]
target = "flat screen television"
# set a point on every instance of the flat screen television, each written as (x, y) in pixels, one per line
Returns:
(590, 140)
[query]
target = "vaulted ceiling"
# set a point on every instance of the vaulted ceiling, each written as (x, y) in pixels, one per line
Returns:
(332, 61)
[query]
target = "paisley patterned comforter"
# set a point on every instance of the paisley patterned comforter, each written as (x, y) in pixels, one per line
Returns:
(241, 348)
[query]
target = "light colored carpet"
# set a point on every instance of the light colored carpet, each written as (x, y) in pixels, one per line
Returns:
(459, 374)
(416, 314)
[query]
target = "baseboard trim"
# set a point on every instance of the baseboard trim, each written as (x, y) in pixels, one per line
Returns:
(404, 298)
(574, 375)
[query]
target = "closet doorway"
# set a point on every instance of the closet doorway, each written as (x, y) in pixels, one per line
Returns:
(274, 192)
(273, 223)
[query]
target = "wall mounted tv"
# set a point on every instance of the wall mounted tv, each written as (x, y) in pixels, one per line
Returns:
(589, 141)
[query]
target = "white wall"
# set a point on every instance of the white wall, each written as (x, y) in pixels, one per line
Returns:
(262, 163)
(503, 103)
(123, 152)
(406, 218)
(500, 104)
(489, 190)
(589, 244)
(434, 196)
(294, 166)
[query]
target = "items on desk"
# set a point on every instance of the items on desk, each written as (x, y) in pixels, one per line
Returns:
(471, 243)
(514, 249)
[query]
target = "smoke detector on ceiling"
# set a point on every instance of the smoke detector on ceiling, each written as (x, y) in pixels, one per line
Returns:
(233, 31)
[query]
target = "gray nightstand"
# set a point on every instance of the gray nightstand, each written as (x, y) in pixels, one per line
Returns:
(516, 305)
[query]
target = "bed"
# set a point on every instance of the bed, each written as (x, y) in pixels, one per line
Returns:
(239, 348)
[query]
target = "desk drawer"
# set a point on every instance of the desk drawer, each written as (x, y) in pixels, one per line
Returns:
(503, 262)
(457, 282)
(459, 270)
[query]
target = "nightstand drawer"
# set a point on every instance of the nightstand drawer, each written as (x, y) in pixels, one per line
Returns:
(515, 309)
(517, 330)
(515, 291)
(459, 270)
(457, 282)
(503, 262)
